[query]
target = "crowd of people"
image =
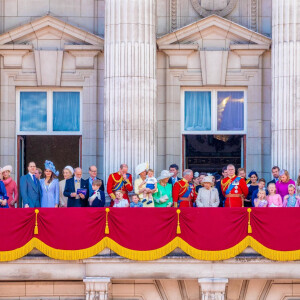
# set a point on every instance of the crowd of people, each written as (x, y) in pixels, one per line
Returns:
(231, 189)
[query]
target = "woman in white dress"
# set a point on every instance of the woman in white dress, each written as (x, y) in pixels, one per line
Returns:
(68, 172)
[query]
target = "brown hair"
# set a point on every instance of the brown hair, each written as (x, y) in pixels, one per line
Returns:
(286, 173)
(241, 169)
(275, 167)
(262, 180)
(150, 170)
(39, 170)
(135, 195)
(97, 182)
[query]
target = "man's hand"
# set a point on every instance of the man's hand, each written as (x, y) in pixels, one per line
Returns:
(124, 176)
(73, 195)
(81, 196)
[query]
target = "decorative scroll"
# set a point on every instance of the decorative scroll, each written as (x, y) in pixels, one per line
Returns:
(202, 11)
(150, 233)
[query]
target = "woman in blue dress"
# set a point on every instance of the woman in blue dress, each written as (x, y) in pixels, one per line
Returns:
(252, 187)
(50, 186)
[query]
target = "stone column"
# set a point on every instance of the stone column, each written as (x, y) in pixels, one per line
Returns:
(97, 288)
(130, 83)
(213, 288)
(286, 85)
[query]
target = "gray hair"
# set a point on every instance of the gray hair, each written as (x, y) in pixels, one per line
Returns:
(230, 165)
(123, 166)
(187, 172)
(77, 169)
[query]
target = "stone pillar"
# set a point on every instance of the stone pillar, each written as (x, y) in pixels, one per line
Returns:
(97, 288)
(213, 288)
(285, 85)
(130, 84)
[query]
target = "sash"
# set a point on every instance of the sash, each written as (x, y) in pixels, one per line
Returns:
(232, 185)
(119, 183)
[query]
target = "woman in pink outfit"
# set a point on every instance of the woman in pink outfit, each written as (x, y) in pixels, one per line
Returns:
(11, 186)
(274, 200)
(283, 183)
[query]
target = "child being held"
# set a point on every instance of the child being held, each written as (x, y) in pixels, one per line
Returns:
(261, 200)
(135, 201)
(119, 201)
(291, 200)
(151, 187)
(98, 197)
(274, 200)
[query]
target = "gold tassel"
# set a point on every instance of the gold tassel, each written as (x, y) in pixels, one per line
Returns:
(249, 225)
(106, 223)
(178, 224)
(36, 230)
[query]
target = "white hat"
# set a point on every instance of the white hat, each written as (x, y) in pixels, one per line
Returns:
(165, 174)
(207, 179)
(196, 174)
(6, 168)
(141, 168)
(70, 169)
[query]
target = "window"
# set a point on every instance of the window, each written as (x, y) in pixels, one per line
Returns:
(212, 111)
(49, 112)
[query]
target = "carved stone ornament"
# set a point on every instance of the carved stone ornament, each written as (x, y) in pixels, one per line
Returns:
(221, 8)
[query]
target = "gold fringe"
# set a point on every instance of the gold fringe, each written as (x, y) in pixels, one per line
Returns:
(249, 225)
(36, 230)
(106, 222)
(178, 231)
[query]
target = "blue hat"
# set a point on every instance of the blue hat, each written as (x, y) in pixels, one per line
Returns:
(50, 166)
(252, 173)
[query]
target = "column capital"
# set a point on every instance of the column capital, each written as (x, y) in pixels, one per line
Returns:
(213, 288)
(97, 288)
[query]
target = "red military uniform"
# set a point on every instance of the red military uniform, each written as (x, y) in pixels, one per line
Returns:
(183, 193)
(116, 182)
(238, 191)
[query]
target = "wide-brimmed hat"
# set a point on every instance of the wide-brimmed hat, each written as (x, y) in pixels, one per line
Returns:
(141, 168)
(50, 166)
(6, 168)
(165, 174)
(207, 179)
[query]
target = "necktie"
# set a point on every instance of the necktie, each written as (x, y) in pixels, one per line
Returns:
(34, 179)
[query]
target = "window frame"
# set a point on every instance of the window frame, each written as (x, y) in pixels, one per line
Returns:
(214, 110)
(49, 92)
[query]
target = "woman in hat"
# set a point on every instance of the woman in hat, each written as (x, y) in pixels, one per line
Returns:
(163, 196)
(252, 188)
(11, 186)
(282, 185)
(68, 172)
(50, 186)
(208, 196)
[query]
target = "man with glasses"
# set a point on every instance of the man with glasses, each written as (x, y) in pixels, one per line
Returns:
(93, 176)
(234, 188)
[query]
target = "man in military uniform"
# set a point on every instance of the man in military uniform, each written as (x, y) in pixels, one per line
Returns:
(184, 191)
(234, 188)
(120, 180)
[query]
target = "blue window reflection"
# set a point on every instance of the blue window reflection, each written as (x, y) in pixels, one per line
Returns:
(33, 111)
(66, 111)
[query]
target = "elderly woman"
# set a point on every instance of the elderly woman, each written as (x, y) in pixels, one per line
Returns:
(208, 196)
(11, 186)
(282, 185)
(163, 196)
(140, 184)
(68, 172)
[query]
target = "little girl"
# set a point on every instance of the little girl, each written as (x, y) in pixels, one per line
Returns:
(119, 201)
(261, 200)
(291, 200)
(274, 200)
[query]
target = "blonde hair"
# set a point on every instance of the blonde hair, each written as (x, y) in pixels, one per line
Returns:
(291, 186)
(262, 191)
(286, 173)
(271, 184)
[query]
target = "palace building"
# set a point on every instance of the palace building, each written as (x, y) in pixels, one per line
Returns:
(199, 83)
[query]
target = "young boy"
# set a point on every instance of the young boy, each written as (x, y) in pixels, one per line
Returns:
(98, 198)
(135, 201)
(261, 186)
(119, 201)
(151, 187)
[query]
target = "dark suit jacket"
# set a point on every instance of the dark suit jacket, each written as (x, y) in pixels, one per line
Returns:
(90, 186)
(70, 188)
(221, 196)
(170, 180)
(31, 193)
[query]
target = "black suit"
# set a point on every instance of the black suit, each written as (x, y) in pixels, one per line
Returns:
(221, 196)
(170, 180)
(70, 188)
(90, 186)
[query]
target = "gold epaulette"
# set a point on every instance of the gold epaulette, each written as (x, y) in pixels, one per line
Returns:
(113, 177)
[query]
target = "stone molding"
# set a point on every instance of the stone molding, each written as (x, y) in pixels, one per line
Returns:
(97, 288)
(213, 288)
(205, 12)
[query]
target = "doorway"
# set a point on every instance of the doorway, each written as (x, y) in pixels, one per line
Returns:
(209, 153)
(61, 150)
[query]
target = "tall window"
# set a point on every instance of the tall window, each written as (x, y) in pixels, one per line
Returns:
(214, 111)
(49, 112)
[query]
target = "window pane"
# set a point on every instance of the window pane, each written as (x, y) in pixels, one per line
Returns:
(33, 111)
(66, 111)
(231, 111)
(197, 111)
